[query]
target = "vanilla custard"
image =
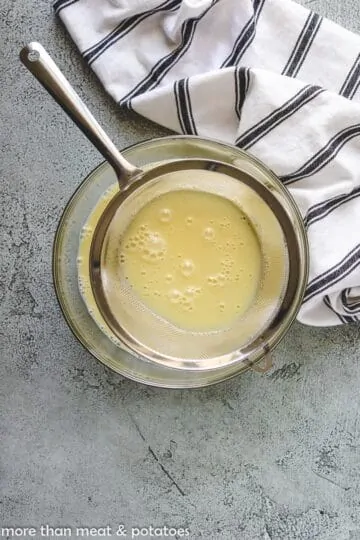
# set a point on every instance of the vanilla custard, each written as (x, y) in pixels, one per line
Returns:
(193, 258)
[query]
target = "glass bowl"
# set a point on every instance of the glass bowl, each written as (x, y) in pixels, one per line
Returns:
(92, 331)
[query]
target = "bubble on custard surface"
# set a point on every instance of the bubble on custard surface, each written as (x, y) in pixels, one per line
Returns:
(132, 243)
(174, 296)
(154, 248)
(187, 267)
(155, 240)
(212, 280)
(169, 278)
(165, 215)
(190, 292)
(146, 256)
(189, 220)
(222, 306)
(209, 233)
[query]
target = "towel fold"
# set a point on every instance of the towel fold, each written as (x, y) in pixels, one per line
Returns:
(268, 76)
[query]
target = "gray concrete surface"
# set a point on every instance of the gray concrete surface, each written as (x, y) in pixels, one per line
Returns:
(260, 457)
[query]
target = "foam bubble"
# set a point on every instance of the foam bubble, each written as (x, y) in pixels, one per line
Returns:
(187, 267)
(212, 280)
(191, 291)
(165, 215)
(169, 278)
(153, 248)
(209, 233)
(189, 220)
(174, 296)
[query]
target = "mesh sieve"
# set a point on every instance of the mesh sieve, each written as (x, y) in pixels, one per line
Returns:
(152, 336)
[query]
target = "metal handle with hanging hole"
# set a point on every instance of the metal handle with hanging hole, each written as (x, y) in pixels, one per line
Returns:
(41, 65)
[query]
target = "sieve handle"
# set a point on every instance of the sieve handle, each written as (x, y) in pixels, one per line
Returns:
(41, 65)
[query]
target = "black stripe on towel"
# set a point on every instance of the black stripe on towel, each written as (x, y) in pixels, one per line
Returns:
(343, 318)
(303, 45)
(92, 53)
(58, 5)
(352, 81)
(324, 156)
(321, 210)
(163, 66)
(245, 38)
(350, 305)
(242, 81)
(335, 274)
(183, 106)
(271, 121)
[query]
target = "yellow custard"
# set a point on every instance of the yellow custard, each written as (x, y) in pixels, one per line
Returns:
(193, 258)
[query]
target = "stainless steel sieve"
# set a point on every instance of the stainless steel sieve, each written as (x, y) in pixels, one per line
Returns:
(266, 203)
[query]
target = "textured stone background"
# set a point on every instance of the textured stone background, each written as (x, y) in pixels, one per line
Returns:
(260, 457)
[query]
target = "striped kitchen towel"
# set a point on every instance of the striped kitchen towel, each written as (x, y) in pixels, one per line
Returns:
(269, 76)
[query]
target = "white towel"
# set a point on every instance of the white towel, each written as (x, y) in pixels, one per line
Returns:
(269, 76)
